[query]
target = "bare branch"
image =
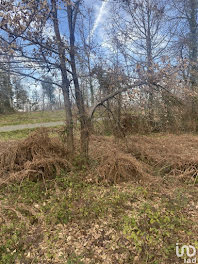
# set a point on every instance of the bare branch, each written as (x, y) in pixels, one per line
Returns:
(111, 95)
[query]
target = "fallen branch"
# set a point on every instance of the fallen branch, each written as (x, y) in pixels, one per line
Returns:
(111, 95)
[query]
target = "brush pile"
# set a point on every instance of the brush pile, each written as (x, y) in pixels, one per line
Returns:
(139, 159)
(171, 154)
(114, 165)
(38, 156)
(118, 167)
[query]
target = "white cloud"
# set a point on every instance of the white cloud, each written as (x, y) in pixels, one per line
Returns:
(99, 18)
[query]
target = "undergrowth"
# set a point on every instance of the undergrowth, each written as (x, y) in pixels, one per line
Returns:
(155, 231)
(72, 218)
(37, 217)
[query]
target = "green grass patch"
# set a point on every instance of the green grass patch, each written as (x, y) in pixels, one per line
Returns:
(22, 134)
(14, 135)
(32, 117)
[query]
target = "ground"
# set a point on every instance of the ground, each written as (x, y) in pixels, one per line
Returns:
(132, 203)
(18, 118)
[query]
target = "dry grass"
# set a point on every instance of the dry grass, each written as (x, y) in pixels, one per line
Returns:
(175, 155)
(115, 165)
(138, 159)
(37, 156)
(68, 220)
(146, 159)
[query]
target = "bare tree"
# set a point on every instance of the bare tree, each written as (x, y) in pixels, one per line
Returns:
(144, 34)
(186, 15)
(65, 80)
(72, 13)
(48, 89)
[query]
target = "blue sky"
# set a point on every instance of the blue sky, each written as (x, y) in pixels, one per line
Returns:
(101, 12)
(100, 15)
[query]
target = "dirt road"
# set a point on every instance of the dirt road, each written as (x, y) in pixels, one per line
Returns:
(30, 126)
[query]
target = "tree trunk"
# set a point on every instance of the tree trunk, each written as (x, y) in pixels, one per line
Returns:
(91, 91)
(84, 128)
(149, 65)
(90, 82)
(193, 50)
(69, 118)
(72, 12)
(65, 80)
(119, 108)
